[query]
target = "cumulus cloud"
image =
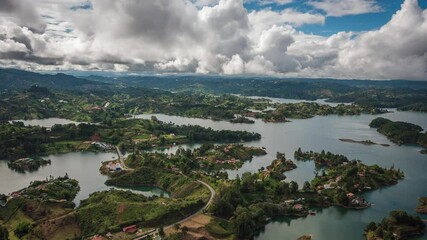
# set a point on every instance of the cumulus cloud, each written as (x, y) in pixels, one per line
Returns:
(211, 36)
(23, 13)
(338, 8)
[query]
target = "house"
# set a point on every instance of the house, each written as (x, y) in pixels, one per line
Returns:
(15, 194)
(350, 195)
(298, 206)
(97, 237)
(118, 167)
(95, 138)
(130, 229)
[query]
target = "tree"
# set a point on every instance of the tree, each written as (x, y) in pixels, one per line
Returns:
(293, 187)
(161, 232)
(243, 222)
(22, 229)
(4, 233)
(306, 187)
(371, 227)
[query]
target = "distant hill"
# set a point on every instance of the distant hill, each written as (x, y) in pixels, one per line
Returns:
(18, 79)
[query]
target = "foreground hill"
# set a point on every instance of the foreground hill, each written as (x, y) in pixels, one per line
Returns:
(18, 79)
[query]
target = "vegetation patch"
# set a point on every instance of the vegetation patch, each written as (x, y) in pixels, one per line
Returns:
(398, 225)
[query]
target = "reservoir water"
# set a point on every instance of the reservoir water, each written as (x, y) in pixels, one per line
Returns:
(318, 133)
(322, 133)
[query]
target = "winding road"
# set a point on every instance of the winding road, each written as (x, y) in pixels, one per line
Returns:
(122, 159)
(155, 231)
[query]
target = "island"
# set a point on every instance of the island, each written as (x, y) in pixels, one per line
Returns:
(422, 205)
(364, 142)
(400, 132)
(285, 111)
(398, 225)
(28, 164)
(343, 180)
(19, 141)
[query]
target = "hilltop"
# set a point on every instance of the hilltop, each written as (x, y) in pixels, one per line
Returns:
(18, 79)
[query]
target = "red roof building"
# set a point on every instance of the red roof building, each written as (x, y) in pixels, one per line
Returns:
(130, 229)
(95, 138)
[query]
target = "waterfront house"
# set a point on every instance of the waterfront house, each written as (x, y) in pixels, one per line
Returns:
(118, 167)
(350, 195)
(130, 229)
(298, 206)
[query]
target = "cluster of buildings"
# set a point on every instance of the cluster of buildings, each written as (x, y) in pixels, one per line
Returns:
(114, 166)
(229, 161)
(103, 145)
(356, 200)
(330, 185)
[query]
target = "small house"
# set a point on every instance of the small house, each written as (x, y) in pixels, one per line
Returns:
(130, 229)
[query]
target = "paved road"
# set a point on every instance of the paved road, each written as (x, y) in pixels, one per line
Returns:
(122, 159)
(213, 193)
(155, 232)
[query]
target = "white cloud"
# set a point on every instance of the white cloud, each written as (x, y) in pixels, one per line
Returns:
(220, 37)
(338, 8)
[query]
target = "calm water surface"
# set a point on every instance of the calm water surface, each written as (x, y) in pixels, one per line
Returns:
(321, 133)
(81, 166)
(314, 134)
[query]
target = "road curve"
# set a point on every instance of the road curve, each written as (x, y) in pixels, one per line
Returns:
(213, 193)
(122, 159)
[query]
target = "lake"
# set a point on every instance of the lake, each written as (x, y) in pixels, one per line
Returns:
(322, 133)
(318, 133)
(47, 122)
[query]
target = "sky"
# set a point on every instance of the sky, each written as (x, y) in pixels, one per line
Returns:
(343, 39)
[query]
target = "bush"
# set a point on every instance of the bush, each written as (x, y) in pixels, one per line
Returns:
(22, 229)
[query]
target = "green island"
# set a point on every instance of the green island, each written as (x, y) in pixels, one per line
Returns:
(398, 225)
(249, 201)
(342, 180)
(400, 132)
(422, 205)
(304, 110)
(27, 164)
(208, 158)
(43, 209)
(19, 141)
(364, 142)
(322, 159)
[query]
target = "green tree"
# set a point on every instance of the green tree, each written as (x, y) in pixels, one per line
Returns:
(293, 187)
(306, 187)
(243, 222)
(4, 233)
(371, 227)
(22, 229)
